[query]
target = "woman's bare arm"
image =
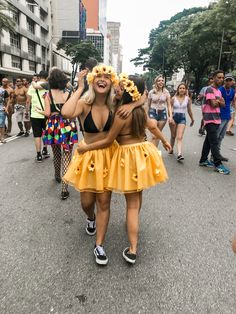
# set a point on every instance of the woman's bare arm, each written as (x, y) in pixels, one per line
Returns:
(152, 127)
(190, 112)
(74, 105)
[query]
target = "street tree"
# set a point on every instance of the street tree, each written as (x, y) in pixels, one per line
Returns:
(79, 53)
(6, 22)
(193, 40)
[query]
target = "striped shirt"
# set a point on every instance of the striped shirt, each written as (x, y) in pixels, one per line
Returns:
(211, 114)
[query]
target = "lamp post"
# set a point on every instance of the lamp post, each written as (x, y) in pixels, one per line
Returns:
(221, 47)
(49, 47)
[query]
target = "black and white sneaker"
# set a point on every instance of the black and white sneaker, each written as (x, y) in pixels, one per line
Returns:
(129, 257)
(39, 158)
(180, 158)
(99, 252)
(45, 153)
(91, 226)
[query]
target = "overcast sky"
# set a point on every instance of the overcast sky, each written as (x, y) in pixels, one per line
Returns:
(138, 17)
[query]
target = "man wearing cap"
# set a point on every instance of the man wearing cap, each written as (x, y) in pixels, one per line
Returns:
(228, 94)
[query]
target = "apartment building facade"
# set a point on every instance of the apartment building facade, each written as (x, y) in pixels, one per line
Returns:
(27, 51)
(97, 25)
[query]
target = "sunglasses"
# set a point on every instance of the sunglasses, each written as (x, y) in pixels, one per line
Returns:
(18, 81)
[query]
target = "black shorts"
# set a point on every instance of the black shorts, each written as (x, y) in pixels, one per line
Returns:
(38, 125)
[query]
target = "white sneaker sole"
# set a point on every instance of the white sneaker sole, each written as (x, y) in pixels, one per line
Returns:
(131, 261)
(90, 233)
(98, 261)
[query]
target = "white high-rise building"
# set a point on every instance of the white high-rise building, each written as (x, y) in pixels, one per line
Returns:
(115, 49)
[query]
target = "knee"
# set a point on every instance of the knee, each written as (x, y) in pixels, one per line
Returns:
(103, 204)
(87, 203)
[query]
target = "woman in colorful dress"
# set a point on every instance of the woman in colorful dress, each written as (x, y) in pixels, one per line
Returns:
(181, 104)
(159, 105)
(136, 164)
(60, 133)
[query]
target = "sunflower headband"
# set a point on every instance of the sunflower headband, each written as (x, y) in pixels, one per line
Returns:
(130, 87)
(102, 70)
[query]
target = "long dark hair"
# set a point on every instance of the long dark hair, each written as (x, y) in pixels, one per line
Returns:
(139, 117)
(57, 79)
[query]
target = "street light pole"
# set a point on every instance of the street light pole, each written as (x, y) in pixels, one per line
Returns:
(221, 47)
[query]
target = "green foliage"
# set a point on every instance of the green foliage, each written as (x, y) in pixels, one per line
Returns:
(192, 40)
(79, 53)
(6, 22)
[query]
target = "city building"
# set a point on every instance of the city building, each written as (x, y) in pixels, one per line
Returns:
(23, 53)
(96, 24)
(115, 49)
(69, 25)
(31, 48)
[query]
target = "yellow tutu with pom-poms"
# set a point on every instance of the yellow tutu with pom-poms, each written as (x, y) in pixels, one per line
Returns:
(135, 167)
(89, 172)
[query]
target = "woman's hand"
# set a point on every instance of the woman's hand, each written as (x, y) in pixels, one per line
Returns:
(192, 123)
(82, 148)
(124, 111)
(39, 110)
(167, 146)
(81, 75)
(170, 120)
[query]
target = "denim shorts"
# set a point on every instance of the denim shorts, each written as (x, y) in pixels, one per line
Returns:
(158, 115)
(2, 119)
(179, 118)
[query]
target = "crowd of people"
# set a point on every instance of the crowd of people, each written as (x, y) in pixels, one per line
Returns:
(114, 156)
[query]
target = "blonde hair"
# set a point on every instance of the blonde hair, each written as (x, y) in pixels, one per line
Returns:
(89, 97)
(155, 83)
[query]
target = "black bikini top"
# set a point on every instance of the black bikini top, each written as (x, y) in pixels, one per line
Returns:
(56, 107)
(90, 127)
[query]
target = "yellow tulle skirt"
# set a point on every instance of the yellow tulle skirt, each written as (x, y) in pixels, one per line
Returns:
(88, 172)
(135, 167)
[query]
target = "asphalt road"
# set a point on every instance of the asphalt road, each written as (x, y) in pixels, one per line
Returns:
(185, 262)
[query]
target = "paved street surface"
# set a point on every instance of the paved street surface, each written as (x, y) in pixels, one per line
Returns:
(185, 263)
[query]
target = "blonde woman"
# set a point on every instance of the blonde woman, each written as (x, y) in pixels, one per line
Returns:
(159, 105)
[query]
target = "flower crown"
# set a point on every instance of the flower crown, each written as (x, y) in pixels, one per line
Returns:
(130, 87)
(102, 70)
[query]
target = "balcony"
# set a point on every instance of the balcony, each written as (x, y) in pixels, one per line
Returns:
(30, 14)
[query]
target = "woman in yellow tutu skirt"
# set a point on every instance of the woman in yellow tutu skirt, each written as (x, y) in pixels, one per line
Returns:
(136, 164)
(88, 173)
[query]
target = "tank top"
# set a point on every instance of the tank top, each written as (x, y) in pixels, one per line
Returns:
(56, 107)
(180, 107)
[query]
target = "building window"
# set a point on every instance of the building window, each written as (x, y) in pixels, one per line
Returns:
(16, 62)
(30, 25)
(15, 16)
(43, 16)
(31, 49)
(44, 34)
(32, 66)
(30, 7)
(15, 40)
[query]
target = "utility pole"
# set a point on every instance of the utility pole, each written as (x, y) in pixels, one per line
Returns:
(221, 47)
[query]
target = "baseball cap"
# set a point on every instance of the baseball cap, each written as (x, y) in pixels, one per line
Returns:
(229, 76)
